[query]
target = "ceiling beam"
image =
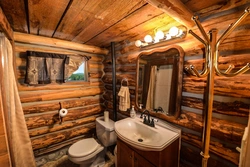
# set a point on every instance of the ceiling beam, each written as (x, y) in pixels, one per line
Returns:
(57, 43)
(175, 9)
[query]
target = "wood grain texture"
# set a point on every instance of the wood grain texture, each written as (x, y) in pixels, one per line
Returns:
(63, 126)
(176, 9)
(5, 26)
(215, 147)
(128, 25)
(45, 21)
(107, 17)
(52, 118)
(16, 14)
(32, 108)
(58, 94)
(235, 108)
(57, 43)
(54, 138)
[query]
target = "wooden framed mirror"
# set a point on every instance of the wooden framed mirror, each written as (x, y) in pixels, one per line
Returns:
(159, 81)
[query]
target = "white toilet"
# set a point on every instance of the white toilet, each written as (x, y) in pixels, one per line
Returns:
(88, 152)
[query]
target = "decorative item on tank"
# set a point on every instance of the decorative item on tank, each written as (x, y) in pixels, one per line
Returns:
(159, 36)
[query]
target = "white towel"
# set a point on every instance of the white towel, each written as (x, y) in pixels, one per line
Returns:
(124, 95)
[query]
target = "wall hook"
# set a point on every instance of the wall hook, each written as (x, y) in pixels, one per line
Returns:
(209, 70)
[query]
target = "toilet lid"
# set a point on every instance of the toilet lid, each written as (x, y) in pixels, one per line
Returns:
(83, 147)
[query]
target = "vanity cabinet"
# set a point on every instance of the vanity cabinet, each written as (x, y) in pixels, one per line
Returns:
(128, 156)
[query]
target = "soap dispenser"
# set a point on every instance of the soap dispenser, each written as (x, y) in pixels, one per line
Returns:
(132, 112)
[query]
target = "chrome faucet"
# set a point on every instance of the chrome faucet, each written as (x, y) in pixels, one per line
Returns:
(146, 120)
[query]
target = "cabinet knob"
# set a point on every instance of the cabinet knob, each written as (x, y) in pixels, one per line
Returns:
(130, 156)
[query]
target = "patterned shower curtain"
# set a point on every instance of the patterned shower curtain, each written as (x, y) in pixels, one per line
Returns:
(20, 147)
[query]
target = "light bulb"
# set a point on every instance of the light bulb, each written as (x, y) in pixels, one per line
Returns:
(148, 38)
(138, 43)
(173, 31)
(168, 36)
(159, 34)
(180, 33)
(156, 39)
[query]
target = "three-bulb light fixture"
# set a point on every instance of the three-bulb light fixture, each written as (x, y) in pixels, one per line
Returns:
(160, 36)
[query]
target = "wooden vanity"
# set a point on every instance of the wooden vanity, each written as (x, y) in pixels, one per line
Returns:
(128, 156)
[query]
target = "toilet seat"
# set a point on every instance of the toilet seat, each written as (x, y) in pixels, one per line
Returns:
(86, 152)
(83, 147)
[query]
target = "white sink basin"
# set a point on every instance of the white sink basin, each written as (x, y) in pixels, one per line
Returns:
(143, 137)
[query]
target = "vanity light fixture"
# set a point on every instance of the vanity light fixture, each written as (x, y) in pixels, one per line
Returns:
(160, 36)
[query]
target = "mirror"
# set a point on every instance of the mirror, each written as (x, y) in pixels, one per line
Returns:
(159, 80)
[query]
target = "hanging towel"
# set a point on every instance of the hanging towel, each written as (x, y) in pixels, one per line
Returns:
(124, 95)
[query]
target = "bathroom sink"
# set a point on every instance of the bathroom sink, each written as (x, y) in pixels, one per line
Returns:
(143, 137)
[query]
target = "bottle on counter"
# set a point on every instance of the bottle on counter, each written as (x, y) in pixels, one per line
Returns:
(132, 112)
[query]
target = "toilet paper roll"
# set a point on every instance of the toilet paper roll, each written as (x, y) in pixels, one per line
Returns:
(106, 116)
(63, 112)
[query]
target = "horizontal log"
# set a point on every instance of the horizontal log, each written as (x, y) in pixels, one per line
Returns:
(96, 83)
(237, 86)
(108, 96)
(53, 118)
(215, 147)
(33, 96)
(109, 89)
(32, 108)
(107, 79)
(238, 61)
(236, 108)
(120, 68)
(57, 146)
(95, 74)
(191, 156)
(57, 137)
(57, 43)
(221, 129)
(68, 85)
(96, 66)
(63, 126)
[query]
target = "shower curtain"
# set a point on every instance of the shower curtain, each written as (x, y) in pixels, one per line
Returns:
(20, 147)
(245, 147)
(151, 88)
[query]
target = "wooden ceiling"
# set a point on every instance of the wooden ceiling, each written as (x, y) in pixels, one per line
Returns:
(99, 22)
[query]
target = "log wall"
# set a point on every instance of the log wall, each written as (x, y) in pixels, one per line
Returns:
(231, 102)
(41, 103)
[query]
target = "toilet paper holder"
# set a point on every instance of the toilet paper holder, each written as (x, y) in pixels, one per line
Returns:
(62, 113)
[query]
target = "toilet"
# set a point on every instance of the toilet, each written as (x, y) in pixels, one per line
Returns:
(90, 152)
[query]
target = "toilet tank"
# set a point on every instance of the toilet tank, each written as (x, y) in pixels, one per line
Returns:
(105, 131)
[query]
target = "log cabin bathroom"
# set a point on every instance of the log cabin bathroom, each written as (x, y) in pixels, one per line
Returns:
(78, 89)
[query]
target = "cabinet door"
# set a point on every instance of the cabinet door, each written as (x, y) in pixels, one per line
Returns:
(125, 156)
(139, 161)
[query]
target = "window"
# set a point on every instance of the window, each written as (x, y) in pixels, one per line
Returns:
(79, 74)
(45, 68)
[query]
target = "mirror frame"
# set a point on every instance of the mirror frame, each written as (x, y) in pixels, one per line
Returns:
(177, 105)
